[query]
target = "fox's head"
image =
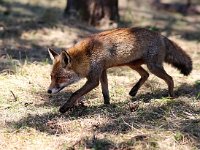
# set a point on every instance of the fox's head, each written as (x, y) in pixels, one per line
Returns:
(62, 74)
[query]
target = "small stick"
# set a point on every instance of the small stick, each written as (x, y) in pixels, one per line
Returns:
(15, 98)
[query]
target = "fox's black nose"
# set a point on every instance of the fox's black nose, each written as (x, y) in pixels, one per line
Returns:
(49, 91)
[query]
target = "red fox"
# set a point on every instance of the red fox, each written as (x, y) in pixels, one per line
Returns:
(91, 57)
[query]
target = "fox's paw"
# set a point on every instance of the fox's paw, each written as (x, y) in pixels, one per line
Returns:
(64, 109)
(173, 97)
(132, 93)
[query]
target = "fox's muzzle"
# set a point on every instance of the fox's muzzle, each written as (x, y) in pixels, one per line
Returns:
(55, 90)
(49, 91)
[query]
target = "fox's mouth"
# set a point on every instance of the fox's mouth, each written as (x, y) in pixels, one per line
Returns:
(55, 90)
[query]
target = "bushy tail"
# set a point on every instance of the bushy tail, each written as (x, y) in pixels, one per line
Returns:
(177, 57)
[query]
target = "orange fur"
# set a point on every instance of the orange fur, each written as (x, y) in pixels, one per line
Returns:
(91, 57)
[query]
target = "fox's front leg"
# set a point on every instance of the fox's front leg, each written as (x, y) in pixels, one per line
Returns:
(87, 87)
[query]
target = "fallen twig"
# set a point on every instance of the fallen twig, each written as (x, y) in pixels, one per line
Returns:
(15, 98)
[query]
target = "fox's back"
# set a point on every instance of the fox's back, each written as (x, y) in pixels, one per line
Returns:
(118, 46)
(121, 46)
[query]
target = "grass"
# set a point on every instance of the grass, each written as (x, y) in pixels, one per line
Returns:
(29, 117)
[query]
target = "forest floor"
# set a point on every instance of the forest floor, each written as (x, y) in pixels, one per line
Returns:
(29, 117)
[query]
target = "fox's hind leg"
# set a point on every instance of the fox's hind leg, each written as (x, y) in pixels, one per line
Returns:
(144, 76)
(159, 71)
(104, 87)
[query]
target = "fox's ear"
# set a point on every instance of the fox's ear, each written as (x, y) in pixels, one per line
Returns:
(53, 54)
(65, 59)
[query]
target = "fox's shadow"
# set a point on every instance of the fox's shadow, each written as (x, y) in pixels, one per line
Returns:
(151, 117)
(184, 90)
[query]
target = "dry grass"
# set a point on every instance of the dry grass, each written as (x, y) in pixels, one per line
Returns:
(29, 117)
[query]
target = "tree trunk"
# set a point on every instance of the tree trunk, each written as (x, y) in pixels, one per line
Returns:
(93, 11)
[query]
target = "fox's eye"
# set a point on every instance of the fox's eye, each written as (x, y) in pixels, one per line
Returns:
(58, 78)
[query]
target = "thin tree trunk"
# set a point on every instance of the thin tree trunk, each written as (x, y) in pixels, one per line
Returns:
(93, 11)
